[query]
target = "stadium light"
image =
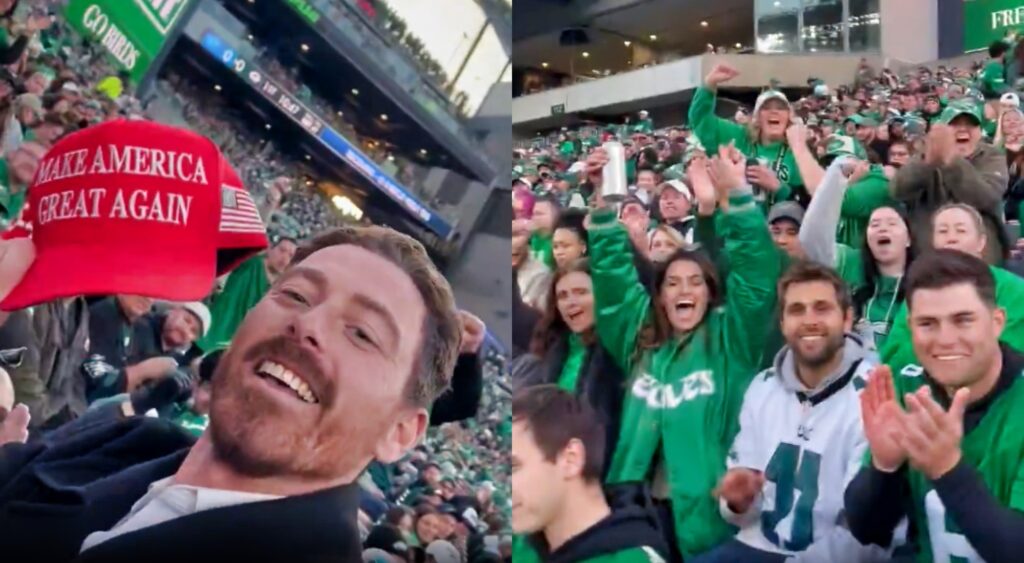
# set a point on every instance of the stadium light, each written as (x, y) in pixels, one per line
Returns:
(268, 127)
(654, 37)
(704, 23)
(305, 48)
(627, 43)
(347, 207)
(423, 152)
(217, 87)
(383, 117)
(355, 92)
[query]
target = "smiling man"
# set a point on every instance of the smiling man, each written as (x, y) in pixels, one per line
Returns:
(956, 167)
(799, 431)
(946, 435)
(335, 367)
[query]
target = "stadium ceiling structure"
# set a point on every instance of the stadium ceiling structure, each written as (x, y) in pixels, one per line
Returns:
(684, 27)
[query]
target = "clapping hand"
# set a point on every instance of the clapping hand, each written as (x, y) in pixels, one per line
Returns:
(931, 436)
(881, 418)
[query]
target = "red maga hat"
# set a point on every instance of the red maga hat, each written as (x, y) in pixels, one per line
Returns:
(134, 207)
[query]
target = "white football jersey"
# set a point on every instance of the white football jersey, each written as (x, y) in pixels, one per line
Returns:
(808, 449)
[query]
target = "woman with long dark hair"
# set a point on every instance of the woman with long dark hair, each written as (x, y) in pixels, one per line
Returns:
(570, 354)
(874, 272)
(690, 350)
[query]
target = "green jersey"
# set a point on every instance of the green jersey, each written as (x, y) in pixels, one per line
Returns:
(992, 81)
(994, 448)
(713, 131)
(540, 249)
(244, 288)
(570, 375)
(681, 412)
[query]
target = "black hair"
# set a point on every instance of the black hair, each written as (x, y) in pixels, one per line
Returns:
(572, 220)
(871, 270)
(997, 49)
(946, 267)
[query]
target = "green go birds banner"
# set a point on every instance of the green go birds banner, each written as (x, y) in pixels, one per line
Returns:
(133, 32)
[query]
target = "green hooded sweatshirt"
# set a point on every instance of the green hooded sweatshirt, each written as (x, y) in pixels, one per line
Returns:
(713, 131)
(860, 200)
(683, 407)
(898, 351)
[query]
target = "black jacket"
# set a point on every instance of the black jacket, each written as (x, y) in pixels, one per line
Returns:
(601, 383)
(462, 400)
(623, 529)
(86, 476)
(110, 333)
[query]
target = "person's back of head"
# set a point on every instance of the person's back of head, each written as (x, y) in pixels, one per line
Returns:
(557, 455)
(997, 49)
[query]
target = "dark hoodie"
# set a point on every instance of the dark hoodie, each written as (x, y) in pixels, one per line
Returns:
(623, 531)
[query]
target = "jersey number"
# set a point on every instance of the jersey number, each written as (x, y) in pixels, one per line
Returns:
(782, 470)
(948, 544)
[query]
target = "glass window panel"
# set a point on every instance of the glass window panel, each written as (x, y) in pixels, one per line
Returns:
(777, 25)
(823, 26)
(865, 26)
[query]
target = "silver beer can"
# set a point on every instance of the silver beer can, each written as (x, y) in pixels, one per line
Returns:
(613, 185)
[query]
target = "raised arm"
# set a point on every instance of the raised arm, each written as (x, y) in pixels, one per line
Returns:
(712, 130)
(621, 303)
(818, 230)
(754, 268)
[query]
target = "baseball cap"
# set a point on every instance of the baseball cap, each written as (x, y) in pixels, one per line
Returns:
(201, 313)
(786, 210)
(1010, 98)
(958, 108)
(842, 144)
(769, 95)
(29, 101)
(71, 87)
(678, 186)
(443, 552)
(134, 207)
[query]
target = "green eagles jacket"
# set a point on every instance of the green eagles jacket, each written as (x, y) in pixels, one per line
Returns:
(683, 407)
(713, 131)
(899, 350)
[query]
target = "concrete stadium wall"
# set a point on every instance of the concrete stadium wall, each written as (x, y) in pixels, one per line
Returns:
(756, 71)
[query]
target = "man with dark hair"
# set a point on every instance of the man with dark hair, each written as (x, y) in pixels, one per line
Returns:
(992, 81)
(946, 436)
(557, 497)
(800, 431)
(334, 368)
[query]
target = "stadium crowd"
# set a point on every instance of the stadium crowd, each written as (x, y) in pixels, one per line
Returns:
(795, 338)
(71, 360)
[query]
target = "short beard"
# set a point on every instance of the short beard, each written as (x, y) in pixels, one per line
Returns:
(229, 436)
(833, 345)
